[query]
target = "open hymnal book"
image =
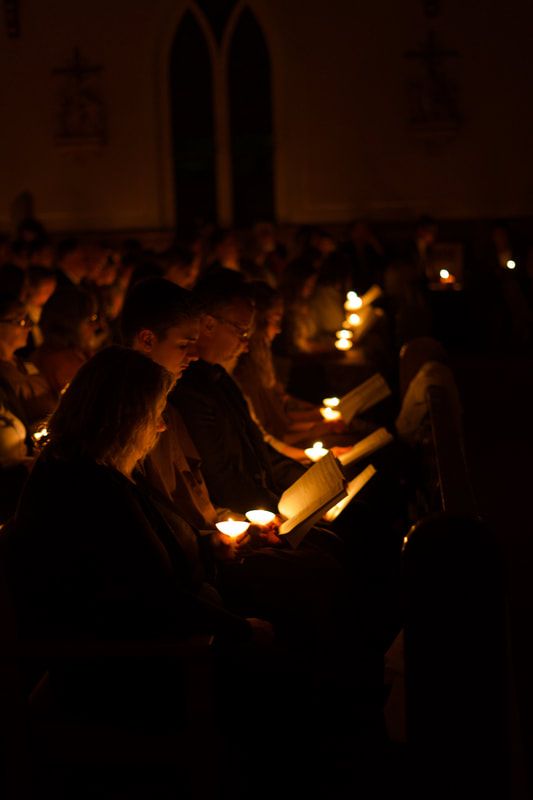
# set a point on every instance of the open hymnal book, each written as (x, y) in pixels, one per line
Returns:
(352, 489)
(307, 500)
(363, 397)
(374, 441)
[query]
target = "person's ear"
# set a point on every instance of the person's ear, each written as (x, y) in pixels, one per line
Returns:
(208, 323)
(146, 340)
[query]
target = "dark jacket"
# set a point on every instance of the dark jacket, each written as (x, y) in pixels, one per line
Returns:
(90, 554)
(240, 470)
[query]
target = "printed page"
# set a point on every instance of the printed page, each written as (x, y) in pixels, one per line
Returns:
(363, 397)
(369, 444)
(321, 481)
(353, 488)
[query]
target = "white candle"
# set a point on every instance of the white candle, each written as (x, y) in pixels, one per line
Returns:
(353, 302)
(233, 527)
(40, 434)
(343, 344)
(354, 320)
(344, 334)
(446, 276)
(316, 452)
(260, 516)
(331, 402)
(330, 413)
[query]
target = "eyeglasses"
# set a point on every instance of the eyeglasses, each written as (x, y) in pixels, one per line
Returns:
(21, 322)
(243, 333)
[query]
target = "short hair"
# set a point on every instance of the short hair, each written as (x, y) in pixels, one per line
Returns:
(63, 312)
(109, 400)
(222, 288)
(155, 304)
(9, 303)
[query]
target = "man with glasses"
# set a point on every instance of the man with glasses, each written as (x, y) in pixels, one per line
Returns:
(240, 470)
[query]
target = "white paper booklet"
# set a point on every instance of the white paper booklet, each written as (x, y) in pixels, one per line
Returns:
(363, 397)
(353, 488)
(307, 500)
(374, 293)
(374, 441)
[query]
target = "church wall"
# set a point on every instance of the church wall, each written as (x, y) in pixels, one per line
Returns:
(344, 146)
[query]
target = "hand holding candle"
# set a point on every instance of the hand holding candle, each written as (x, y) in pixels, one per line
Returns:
(233, 528)
(330, 414)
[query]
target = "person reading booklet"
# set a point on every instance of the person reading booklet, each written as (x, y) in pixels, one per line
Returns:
(321, 492)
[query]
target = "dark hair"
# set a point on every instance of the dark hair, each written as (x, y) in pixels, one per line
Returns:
(36, 275)
(265, 298)
(222, 288)
(62, 314)
(155, 304)
(10, 302)
(12, 279)
(108, 401)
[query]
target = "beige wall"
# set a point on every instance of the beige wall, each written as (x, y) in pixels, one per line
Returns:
(344, 146)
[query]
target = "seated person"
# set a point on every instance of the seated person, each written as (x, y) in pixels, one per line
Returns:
(92, 555)
(290, 419)
(298, 590)
(31, 398)
(240, 471)
(70, 325)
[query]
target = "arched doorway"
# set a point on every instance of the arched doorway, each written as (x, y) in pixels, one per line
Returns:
(250, 105)
(191, 101)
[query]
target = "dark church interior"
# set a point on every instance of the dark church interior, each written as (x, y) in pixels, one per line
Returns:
(266, 391)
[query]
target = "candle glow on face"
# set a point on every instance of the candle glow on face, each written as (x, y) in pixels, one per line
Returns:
(233, 527)
(260, 516)
(330, 414)
(343, 344)
(344, 334)
(316, 452)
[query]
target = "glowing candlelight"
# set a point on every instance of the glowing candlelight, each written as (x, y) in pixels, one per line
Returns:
(353, 302)
(446, 276)
(511, 264)
(331, 402)
(316, 452)
(344, 334)
(260, 516)
(343, 344)
(233, 527)
(38, 435)
(354, 320)
(330, 414)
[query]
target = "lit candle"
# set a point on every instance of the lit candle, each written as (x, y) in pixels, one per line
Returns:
(343, 344)
(330, 414)
(260, 516)
(446, 276)
(331, 402)
(354, 320)
(233, 527)
(353, 302)
(42, 433)
(316, 452)
(511, 264)
(344, 334)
